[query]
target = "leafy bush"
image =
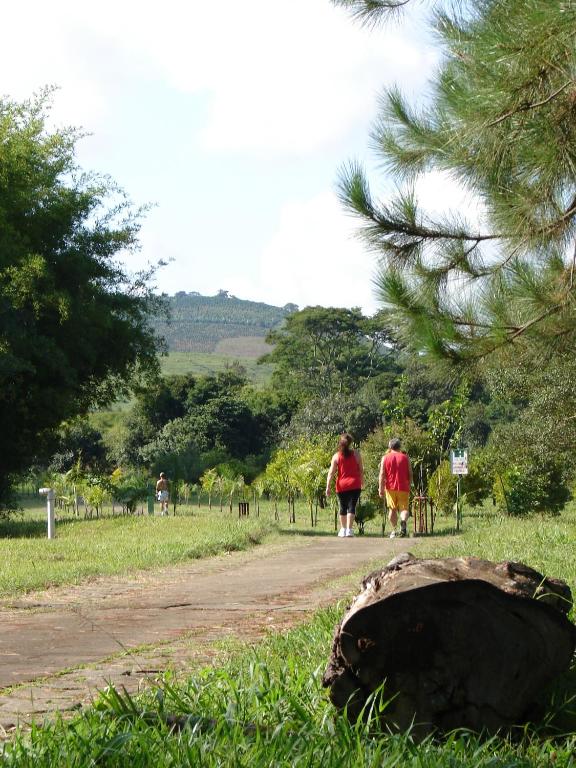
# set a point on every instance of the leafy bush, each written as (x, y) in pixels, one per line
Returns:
(366, 510)
(129, 490)
(531, 487)
(474, 487)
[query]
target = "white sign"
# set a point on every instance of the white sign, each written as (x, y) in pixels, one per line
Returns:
(459, 462)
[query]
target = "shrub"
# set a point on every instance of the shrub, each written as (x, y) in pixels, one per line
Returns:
(530, 487)
(366, 510)
(474, 487)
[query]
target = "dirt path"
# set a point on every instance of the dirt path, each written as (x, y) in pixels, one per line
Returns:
(59, 646)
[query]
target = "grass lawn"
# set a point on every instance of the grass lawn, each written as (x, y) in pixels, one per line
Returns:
(543, 542)
(84, 549)
(265, 706)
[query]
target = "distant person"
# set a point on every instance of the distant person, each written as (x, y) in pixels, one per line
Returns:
(163, 493)
(394, 482)
(346, 465)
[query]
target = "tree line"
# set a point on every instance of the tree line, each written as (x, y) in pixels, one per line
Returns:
(335, 370)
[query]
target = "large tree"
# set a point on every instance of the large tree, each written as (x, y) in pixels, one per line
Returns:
(326, 352)
(73, 324)
(500, 118)
(194, 420)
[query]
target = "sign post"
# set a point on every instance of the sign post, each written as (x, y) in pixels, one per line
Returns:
(458, 467)
(50, 497)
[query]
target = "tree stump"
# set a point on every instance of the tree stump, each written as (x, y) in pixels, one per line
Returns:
(457, 643)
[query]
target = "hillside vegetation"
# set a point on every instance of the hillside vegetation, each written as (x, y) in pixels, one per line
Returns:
(220, 323)
(207, 363)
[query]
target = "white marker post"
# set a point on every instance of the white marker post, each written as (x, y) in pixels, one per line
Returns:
(50, 497)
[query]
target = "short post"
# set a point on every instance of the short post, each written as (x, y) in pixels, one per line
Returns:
(459, 467)
(243, 509)
(423, 514)
(457, 503)
(50, 497)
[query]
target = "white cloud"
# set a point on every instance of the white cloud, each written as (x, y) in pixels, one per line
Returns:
(43, 45)
(290, 77)
(313, 258)
(440, 194)
(298, 79)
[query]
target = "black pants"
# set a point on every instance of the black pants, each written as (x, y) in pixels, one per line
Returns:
(348, 501)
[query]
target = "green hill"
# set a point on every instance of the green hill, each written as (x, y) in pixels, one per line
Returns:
(221, 324)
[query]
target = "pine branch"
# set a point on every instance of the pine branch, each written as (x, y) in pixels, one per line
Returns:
(371, 12)
(528, 106)
(536, 320)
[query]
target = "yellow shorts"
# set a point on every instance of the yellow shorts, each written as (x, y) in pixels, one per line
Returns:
(397, 499)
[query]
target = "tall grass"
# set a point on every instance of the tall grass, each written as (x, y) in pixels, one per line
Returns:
(545, 542)
(264, 707)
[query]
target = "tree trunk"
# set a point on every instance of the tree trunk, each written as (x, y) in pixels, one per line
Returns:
(456, 642)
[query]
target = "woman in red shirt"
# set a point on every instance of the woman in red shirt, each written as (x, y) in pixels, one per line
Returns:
(346, 464)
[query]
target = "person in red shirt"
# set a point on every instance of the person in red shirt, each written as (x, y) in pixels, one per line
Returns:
(346, 465)
(394, 482)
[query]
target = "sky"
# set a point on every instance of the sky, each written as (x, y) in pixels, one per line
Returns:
(231, 119)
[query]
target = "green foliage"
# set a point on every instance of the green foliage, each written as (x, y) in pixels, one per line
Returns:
(130, 489)
(397, 409)
(73, 324)
(365, 511)
(333, 415)
(300, 467)
(445, 420)
(249, 468)
(520, 489)
(95, 494)
(542, 401)
(475, 487)
(208, 482)
(185, 424)
(79, 441)
(324, 352)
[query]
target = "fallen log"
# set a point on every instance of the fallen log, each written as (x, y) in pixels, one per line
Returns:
(455, 643)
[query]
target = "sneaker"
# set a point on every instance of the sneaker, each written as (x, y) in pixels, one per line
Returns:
(393, 535)
(349, 532)
(342, 532)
